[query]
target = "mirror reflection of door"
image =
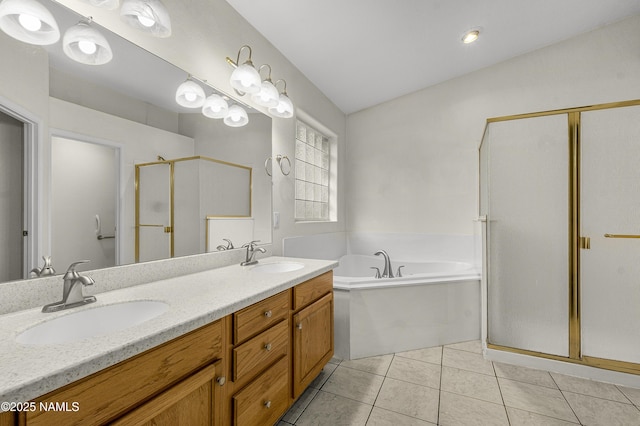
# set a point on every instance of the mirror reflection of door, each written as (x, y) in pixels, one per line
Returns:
(12, 249)
(84, 181)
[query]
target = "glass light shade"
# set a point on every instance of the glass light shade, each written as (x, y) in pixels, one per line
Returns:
(105, 4)
(236, 117)
(470, 36)
(267, 96)
(246, 79)
(284, 109)
(28, 21)
(215, 107)
(190, 94)
(86, 45)
(150, 16)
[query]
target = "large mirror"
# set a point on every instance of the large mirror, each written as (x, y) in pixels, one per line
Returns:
(72, 136)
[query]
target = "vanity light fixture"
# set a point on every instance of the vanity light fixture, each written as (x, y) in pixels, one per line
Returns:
(86, 45)
(284, 108)
(215, 106)
(28, 21)
(190, 94)
(236, 117)
(104, 4)
(245, 78)
(268, 94)
(150, 16)
(471, 36)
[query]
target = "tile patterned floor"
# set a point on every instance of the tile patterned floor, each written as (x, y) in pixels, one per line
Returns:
(455, 385)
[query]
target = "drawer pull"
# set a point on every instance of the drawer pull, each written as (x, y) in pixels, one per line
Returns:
(221, 380)
(267, 404)
(268, 314)
(268, 346)
(299, 326)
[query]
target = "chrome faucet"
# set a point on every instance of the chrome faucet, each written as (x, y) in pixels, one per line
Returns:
(46, 269)
(229, 245)
(72, 290)
(387, 272)
(251, 252)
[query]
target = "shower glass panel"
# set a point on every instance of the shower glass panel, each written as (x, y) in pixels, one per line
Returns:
(524, 193)
(610, 217)
(153, 212)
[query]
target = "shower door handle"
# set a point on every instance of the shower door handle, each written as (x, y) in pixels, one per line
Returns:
(621, 236)
(585, 243)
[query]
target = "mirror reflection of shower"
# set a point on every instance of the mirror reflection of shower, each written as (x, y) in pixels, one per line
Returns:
(84, 182)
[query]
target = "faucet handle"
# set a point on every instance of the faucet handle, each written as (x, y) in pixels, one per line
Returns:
(399, 273)
(250, 244)
(377, 271)
(71, 271)
(229, 243)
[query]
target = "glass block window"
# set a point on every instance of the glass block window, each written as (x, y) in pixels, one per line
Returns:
(312, 173)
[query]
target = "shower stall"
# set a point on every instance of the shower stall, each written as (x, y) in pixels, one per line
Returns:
(560, 191)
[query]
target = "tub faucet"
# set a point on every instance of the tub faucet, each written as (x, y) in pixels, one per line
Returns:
(72, 290)
(251, 253)
(387, 272)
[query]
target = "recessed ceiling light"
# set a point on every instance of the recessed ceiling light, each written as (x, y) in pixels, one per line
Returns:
(471, 36)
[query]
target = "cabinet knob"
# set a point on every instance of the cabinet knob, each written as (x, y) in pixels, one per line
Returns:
(299, 326)
(268, 314)
(267, 404)
(268, 346)
(221, 380)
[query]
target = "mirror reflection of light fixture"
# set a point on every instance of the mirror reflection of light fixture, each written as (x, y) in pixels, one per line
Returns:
(284, 108)
(245, 78)
(190, 94)
(268, 94)
(86, 45)
(215, 107)
(236, 117)
(150, 16)
(28, 21)
(471, 35)
(104, 4)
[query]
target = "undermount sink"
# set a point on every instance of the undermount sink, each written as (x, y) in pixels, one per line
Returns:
(92, 322)
(277, 267)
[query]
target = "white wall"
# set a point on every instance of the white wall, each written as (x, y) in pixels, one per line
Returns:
(205, 32)
(413, 161)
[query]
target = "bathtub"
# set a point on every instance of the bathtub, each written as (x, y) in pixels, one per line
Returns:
(433, 303)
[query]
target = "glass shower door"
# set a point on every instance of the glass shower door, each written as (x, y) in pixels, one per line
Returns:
(524, 196)
(154, 216)
(610, 218)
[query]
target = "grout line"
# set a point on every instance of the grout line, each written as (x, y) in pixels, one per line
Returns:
(566, 400)
(440, 385)
(500, 390)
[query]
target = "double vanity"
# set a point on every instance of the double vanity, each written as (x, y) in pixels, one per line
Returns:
(231, 345)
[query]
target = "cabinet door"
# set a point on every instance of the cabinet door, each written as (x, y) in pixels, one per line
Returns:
(312, 342)
(194, 401)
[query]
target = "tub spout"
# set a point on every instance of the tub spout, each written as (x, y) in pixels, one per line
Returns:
(387, 272)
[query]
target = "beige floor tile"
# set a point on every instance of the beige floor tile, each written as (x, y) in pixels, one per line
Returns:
(458, 410)
(323, 376)
(524, 374)
(537, 399)
(300, 405)
(354, 384)
(328, 409)
(418, 372)
(335, 360)
(381, 417)
(526, 418)
(589, 387)
(432, 355)
(592, 411)
(632, 393)
(466, 361)
(374, 364)
(471, 346)
(409, 399)
(468, 383)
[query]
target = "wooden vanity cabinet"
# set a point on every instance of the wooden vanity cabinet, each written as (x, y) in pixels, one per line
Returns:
(171, 384)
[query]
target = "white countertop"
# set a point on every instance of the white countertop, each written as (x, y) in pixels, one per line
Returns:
(29, 371)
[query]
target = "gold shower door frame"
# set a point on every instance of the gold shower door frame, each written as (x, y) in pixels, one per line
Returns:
(575, 241)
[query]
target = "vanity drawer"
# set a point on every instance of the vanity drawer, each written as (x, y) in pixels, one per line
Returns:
(309, 291)
(259, 316)
(254, 355)
(109, 393)
(265, 399)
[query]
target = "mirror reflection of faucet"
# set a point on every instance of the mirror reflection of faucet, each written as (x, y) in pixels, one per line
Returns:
(229, 245)
(46, 269)
(72, 290)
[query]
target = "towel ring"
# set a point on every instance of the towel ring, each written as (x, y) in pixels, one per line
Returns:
(266, 166)
(279, 159)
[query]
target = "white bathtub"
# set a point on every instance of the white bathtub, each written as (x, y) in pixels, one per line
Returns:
(433, 303)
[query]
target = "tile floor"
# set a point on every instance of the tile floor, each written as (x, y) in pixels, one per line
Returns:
(455, 385)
